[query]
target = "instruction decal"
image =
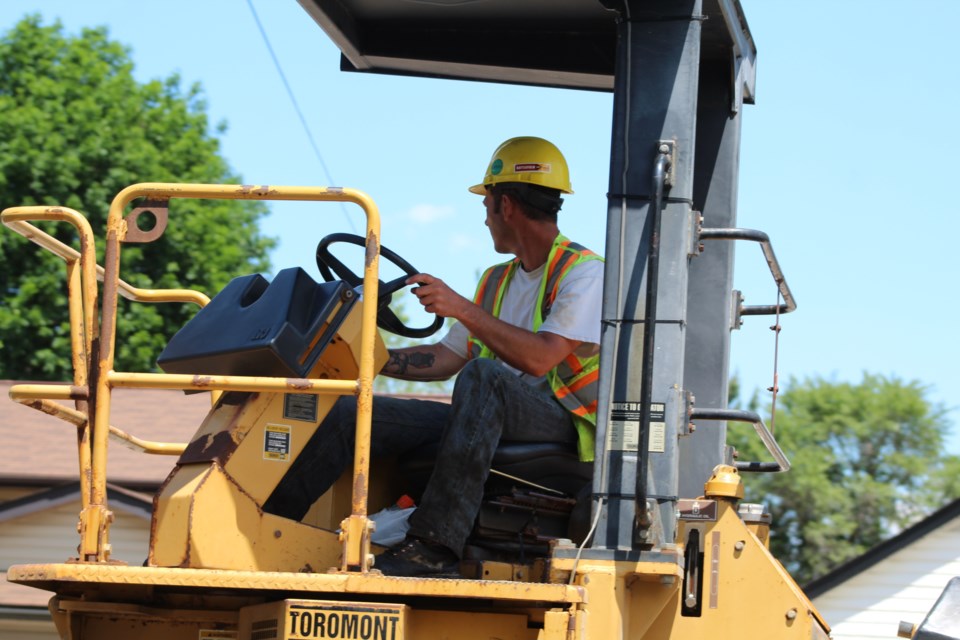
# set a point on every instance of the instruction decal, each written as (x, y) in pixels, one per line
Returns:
(276, 442)
(300, 406)
(658, 428)
(623, 433)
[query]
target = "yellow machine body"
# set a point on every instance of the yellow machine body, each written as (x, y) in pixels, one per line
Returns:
(220, 567)
(208, 514)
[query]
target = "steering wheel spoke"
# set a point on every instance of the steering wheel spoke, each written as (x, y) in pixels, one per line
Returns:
(387, 320)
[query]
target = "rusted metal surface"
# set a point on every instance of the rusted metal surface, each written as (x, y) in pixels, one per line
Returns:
(93, 576)
(299, 384)
(262, 191)
(208, 448)
(202, 381)
(119, 380)
(159, 209)
(222, 442)
(372, 251)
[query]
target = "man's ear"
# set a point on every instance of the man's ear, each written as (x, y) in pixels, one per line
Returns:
(508, 206)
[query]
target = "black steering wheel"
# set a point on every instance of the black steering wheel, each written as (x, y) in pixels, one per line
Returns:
(386, 318)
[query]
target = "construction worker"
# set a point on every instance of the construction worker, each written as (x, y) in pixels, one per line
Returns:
(526, 349)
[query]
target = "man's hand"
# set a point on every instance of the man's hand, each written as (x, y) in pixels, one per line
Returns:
(436, 297)
(532, 353)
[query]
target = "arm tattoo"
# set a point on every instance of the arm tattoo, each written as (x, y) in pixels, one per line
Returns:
(400, 362)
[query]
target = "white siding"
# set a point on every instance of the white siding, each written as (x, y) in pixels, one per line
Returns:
(51, 536)
(27, 630)
(903, 586)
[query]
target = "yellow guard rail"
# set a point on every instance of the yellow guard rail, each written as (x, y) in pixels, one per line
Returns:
(92, 414)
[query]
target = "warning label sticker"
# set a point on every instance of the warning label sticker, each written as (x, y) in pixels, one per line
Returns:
(658, 428)
(276, 442)
(300, 406)
(697, 510)
(623, 433)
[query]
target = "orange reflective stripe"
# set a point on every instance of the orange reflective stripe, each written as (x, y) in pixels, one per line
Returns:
(589, 378)
(564, 259)
(482, 287)
(488, 296)
(574, 363)
(499, 289)
(560, 253)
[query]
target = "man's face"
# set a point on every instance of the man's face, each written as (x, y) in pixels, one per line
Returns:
(495, 223)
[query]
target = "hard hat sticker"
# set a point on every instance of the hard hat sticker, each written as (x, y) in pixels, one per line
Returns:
(496, 167)
(531, 167)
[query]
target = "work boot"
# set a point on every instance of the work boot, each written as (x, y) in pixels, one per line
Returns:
(418, 558)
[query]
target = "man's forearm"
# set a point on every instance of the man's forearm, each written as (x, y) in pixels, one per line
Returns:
(401, 362)
(428, 362)
(532, 353)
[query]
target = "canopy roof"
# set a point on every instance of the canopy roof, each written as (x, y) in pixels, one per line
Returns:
(563, 43)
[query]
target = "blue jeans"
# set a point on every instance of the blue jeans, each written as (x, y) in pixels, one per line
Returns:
(489, 404)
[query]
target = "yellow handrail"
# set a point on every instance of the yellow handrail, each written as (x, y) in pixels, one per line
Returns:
(356, 527)
(95, 518)
(80, 420)
(83, 272)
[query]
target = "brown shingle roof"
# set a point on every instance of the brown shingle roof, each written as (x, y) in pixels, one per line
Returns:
(42, 450)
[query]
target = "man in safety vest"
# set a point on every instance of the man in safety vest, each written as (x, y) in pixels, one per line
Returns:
(526, 349)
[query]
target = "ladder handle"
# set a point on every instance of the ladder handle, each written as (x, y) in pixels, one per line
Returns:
(782, 464)
(758, 236)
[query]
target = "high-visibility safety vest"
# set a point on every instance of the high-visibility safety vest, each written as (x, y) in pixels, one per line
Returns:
(574, 380)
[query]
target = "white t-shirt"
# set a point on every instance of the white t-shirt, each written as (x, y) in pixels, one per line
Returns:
(575, 313)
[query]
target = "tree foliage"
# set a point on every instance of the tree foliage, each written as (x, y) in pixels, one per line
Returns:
(867, 462)
(75, 128)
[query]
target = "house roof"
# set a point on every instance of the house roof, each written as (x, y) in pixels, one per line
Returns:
(129, 501)
(41, 450)
(883, 550)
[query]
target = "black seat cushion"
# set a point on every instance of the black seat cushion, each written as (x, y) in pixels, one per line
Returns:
(550, 464)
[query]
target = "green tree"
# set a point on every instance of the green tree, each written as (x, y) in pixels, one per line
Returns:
(75, 129)
(867, 461)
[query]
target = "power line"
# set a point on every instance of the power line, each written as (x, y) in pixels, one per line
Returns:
(296, 107)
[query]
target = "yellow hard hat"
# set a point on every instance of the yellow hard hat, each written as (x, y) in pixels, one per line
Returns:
(530, 160)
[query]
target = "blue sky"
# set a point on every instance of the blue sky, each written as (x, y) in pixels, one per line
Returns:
(847, 161)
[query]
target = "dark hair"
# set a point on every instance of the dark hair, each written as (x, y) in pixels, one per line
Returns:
(536, 202)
